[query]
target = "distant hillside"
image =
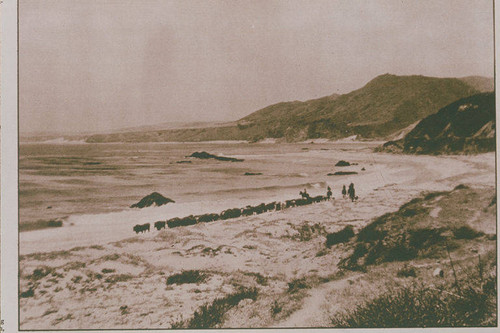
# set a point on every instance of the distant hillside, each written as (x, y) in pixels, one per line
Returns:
(386, 105)
(480, 83)
(464, 126)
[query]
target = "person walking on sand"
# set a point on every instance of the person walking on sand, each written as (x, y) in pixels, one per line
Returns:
(344, 192)
(352, 192)
(328, 192)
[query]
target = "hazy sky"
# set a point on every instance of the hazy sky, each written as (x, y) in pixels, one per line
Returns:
(94, 64)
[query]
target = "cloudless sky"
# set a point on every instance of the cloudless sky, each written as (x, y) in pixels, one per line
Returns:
(93, 65)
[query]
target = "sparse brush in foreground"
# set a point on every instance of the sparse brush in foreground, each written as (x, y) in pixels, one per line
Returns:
(276, 308)
(211, 315)
(191, 276)
(407, 272)
(473, 305)
(297, 284)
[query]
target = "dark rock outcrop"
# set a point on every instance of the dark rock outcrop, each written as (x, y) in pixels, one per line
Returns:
(204, 155)
(342, 163)
(154, 198)
(342, 173)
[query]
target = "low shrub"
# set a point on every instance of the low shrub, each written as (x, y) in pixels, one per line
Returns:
(41, 272)
(466, 232)
(259, 278)
(410, 203)
(421, 306)
(118, 278)
(28, 293)
(433, 195)
(425, 237)
(399, 252)
(351, 262)
(297, 284)
(307, 232)
(111, 257)
(211, 315)
(191, 276)
(372, 232)
(407, 272)
(276, 308)
(341, 236)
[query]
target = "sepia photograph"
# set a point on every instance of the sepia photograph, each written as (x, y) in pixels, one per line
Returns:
(242, 164)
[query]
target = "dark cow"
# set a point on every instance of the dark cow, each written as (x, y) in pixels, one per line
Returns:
(318, 198)
(188, 220)
(260, 208)
(173, 222)
(230, 213)
(208, 217)
(290, 203)
(141, 228)
(247, 211)
(160, 225)
(178, 222)
(271, 206)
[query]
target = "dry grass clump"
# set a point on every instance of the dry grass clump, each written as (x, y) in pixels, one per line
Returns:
(212, 314)
(28, 293)
(307, 232)
(41, 272)
(190, 276)
(468, 303)
(297, 284)
(259, 278)
(276, 308)
(406, 271)
(466, 232)
(114, 278)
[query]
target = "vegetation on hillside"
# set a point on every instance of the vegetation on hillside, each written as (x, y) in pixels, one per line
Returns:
(464, 126)
(436, 227)
(385, 105)
(472, 303)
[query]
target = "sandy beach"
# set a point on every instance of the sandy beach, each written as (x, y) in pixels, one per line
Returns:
(392, 178)
(101, 275)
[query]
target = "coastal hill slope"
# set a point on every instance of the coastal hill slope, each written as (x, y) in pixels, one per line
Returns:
(464, 126)
(481, 83)
(385, 105)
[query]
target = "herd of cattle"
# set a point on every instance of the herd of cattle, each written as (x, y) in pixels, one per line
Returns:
(229, 213)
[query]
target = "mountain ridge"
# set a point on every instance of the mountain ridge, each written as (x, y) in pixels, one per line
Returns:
(385, 105)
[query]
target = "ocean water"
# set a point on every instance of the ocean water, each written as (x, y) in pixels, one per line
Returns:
(74, 181)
